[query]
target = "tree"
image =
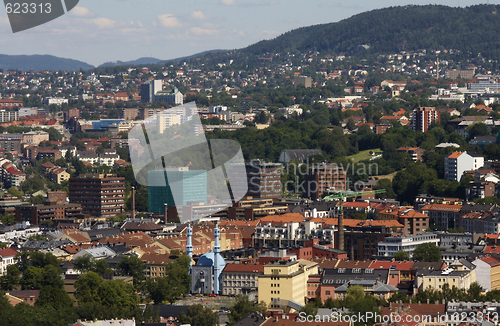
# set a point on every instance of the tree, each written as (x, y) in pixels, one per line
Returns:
(132, 266)
(427, 252)
(198, 315)
(401, 255)
(474, 291)
(11, 279)
(477, 129)
(351, 124)
(240, 309)
(14, 192)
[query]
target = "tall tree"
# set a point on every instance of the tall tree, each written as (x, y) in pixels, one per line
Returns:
(427, 252)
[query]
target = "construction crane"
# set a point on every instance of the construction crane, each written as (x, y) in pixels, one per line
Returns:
(341, 196)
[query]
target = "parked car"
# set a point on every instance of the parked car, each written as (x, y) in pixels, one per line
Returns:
(212, 295)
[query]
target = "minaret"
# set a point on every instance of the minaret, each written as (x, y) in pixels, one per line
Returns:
(189, 246)
(216, 260)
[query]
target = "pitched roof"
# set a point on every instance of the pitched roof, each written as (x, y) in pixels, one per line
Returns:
(244, 268)
(8, 252)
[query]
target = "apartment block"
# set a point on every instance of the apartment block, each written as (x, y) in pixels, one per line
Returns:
(423, 117)
(284, 282)
(320, 179)
(458, 162)
(101, 195)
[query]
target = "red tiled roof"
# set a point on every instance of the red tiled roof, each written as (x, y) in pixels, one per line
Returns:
(8, 252)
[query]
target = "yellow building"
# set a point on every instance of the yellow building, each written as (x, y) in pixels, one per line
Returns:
(436, 279)
(284, 281)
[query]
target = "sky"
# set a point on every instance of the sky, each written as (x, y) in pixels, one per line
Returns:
(98, 31)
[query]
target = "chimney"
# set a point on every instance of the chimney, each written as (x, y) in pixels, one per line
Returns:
(132, 215)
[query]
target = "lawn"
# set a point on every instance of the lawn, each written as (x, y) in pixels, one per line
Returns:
(363, 155)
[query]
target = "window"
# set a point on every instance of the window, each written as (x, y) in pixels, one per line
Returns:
(327, 292)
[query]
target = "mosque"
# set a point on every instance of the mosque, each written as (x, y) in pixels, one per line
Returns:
(206, 275)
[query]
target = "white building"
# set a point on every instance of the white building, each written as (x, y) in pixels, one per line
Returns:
(408, 243)
(166, 120)
(459, 162)
(6, 259)
(55, 100)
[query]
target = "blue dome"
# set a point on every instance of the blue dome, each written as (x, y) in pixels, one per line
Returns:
(208, 260)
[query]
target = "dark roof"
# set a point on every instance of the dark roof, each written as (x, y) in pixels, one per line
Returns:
(252, 319)
(483, 139)
(475, 154)
(95, 235)
(300, 155)
(339, 276)
(169, 311)
(425, 266)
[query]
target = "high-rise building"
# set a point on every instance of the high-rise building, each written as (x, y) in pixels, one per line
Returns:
(263, 179)
(182, 187)
(149, 89)
(423, 117)
(322, 178)
(101, 195)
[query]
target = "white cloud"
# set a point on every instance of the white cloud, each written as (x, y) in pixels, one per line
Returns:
(228, 2)
(168, 20)
(198, 14)
(103, 22)
(203, 31)
(80, 11)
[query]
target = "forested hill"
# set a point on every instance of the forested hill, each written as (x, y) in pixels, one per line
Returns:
(389, 30)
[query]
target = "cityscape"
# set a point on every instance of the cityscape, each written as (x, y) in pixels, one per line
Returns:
(356, 186)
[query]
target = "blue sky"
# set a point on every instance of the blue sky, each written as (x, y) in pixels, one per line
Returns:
(97, 31)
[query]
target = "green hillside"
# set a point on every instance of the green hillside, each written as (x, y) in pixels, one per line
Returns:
(394, 29)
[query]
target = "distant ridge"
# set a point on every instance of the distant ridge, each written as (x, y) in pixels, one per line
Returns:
(390, 30)
(38, 62)
(155, 61)
(140, 61)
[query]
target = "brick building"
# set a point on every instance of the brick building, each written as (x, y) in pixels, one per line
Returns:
(322, 178)
(101, 195)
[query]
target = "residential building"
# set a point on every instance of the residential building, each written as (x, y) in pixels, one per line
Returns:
(241, 279)
(435, 279)
(324, 178)
(6, 259)
(302, 80)
(101, 195)
(35, 137)
(445, 216)
(48, 153)
(284, 282)
(423, 118)
(166, 119)
(58, 175)
(413, 222)
(263, 179)
(480, 189)
(55, 100)
(407, 243)
(415, 153)
(459, 162)
(49, 211)
(488, 272)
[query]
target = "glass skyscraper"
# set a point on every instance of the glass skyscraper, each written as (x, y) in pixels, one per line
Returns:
(182, 186)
